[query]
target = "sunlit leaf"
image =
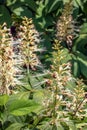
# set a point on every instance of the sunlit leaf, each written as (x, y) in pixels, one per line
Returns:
(3, 99)
(23, 107)
(22, 11)
(10, 2)
(15, 126)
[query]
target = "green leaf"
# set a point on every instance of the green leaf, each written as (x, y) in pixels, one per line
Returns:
(15, 126)
(21, 11)
(84, 29)
(22, 107)
(80, 3)
(3, 99)
(40, 9)
(32, 4)
(52, 5)
(39, 96)
(16, 119)
(81, 42)
(10, 2)
(4, 15)
(83, 63)
(75, 66)
(85, 7)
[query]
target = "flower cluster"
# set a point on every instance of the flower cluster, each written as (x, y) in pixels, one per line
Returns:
(63, 101)
(29, 39)
(7, 70)
(65, 25)
(59, 76)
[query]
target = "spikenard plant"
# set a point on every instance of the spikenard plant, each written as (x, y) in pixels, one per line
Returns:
(30, 39)
(63, 105)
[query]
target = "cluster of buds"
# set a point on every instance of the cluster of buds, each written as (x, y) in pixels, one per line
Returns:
(7, 70)
(61, 71)
(65, 25)
(29, 39)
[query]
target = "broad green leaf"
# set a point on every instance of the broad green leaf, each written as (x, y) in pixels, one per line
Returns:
(85, 7)
(22, 11)
(39, 96)
(83, 63)
(20, 95)
(22, 107)
(75, 66)
(46, 2)
(3, 99)
(15, 126)
(48, 20)
(4, 15)
(52, 5)
(81, 43)
(83, 29)
(16, 119)
(80, 3)
(32, 4)
(39, 12)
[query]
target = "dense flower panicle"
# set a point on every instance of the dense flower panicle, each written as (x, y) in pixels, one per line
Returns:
(9, 62)
(6, 60)
(65, 25)
(59, 75)
(30, 38)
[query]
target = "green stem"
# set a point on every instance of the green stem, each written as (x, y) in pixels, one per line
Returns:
(54, 104)
(27, 65)
(28, 76)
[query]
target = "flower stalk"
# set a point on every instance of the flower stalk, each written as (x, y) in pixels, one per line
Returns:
(7, 71)
(29, 39)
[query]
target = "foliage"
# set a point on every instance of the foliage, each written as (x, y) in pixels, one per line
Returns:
(43, 65)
